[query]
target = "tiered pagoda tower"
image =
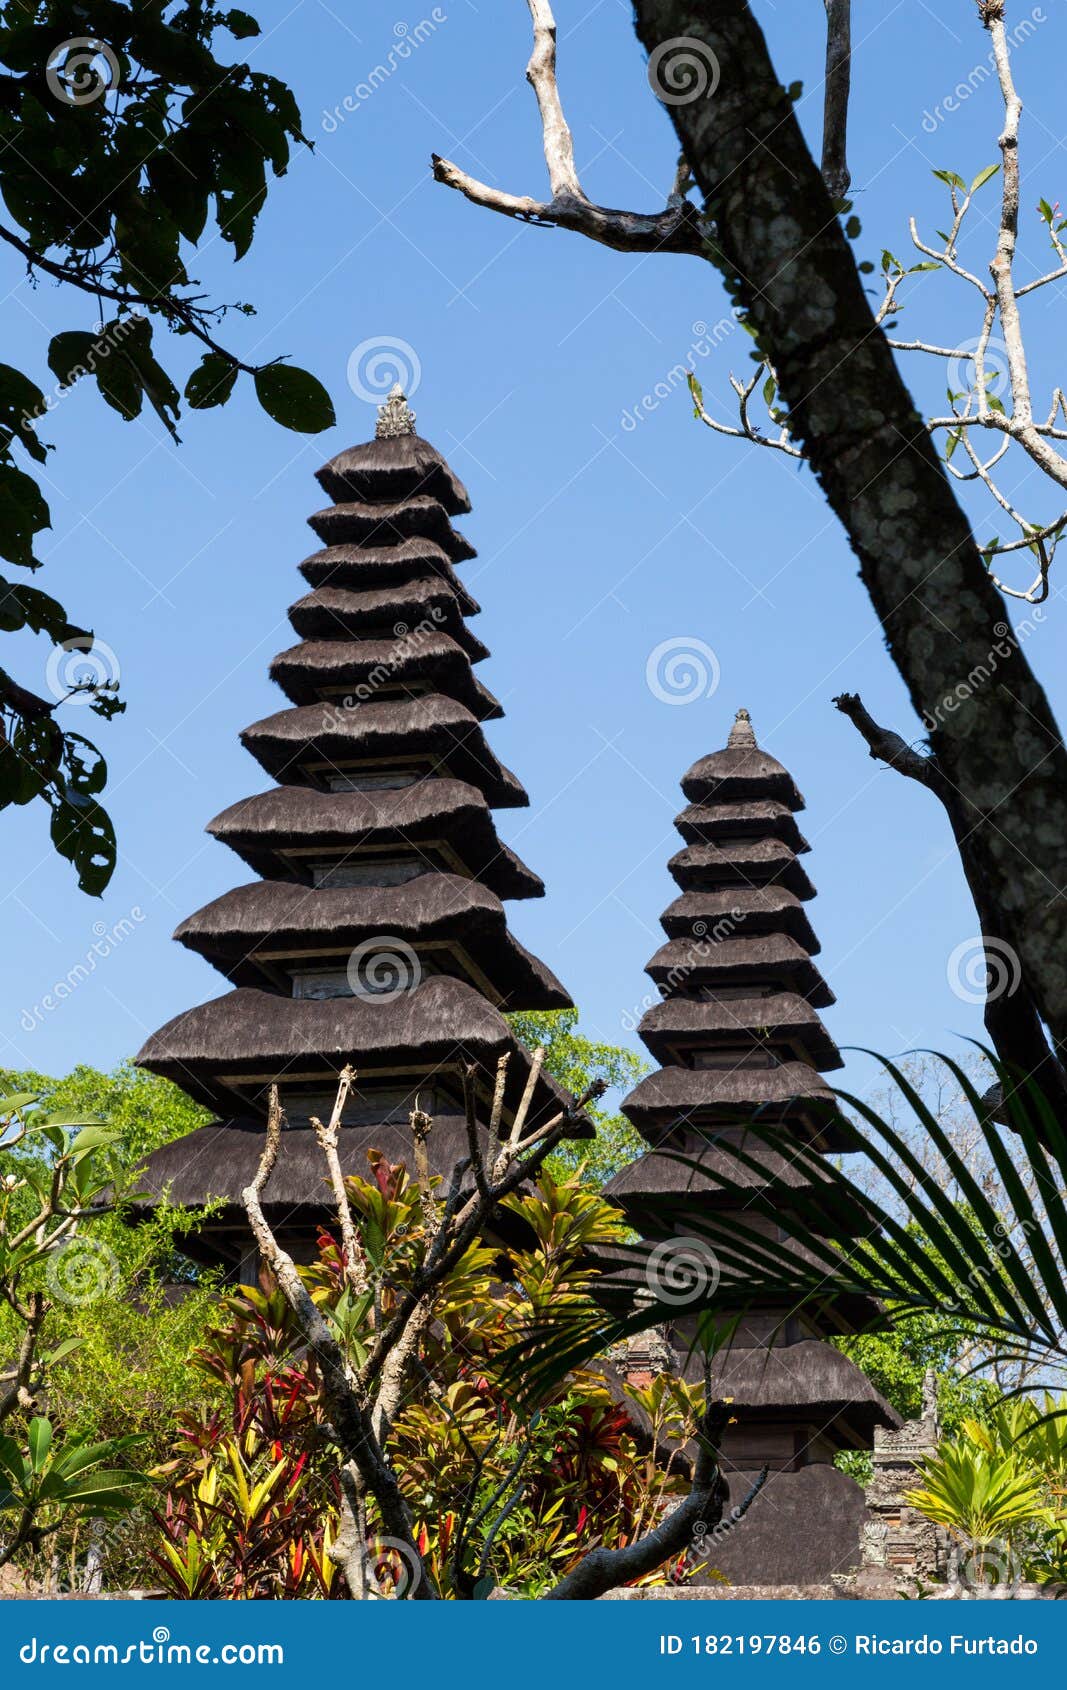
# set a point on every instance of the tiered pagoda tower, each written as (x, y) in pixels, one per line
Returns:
(375, 934)
(739, 1039)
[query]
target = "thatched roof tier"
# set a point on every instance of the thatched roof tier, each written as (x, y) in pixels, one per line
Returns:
(314, 743)
(283, 832)
(355, 523)
(230, 1050)
(701, 824)
(763, 863)
(741, 910)
(773, 959)
(741, 773)
(682, 1024)
(365, 669)
(402, 467)
(664, 1191)
(361, 567)
(258, 934)
(771, 1383)
(679, 1097)
(407, 615)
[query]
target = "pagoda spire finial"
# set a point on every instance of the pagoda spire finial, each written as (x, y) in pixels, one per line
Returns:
(395, 417)
(742, 736)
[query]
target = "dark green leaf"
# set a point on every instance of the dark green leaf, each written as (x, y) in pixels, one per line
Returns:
(294, 398)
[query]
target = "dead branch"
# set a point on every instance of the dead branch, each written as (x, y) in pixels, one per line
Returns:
(675, 229)
(835, 172)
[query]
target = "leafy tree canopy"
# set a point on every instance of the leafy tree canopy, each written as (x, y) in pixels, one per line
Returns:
(122, 138)
(575, 1061)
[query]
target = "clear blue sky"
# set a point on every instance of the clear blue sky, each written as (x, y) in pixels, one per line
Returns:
(596, 541)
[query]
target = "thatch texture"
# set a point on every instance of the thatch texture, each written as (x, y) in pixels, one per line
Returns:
(700, 824)
(365, 668)
(409, 614)
(739, 911)
(250, 1037)
(761, 864)
(774, 958)
(279, 833)
(741, 774)
(782, 1020)
(432, 730)
(672, 1097)
(403, 467)
(444, 916)
(354, 523)
(366, 568)
(773, 1383)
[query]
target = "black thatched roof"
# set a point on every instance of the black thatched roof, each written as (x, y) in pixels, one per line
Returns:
(361, 567)
(313, 742)
(740, 910)
(773, 1383)
(249, 1038)
(673, 1097)
(365, 667)
(454, 925)
(681, 964)
(219, 1161)
(355, 523)
(276, 832)
(410, 614)
(402, 467)
(742, 773)
(700, 824)
(765, 862)
(781, 1018)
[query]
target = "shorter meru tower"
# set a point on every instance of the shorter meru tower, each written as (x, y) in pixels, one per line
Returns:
(738, 1039)
(374, 933)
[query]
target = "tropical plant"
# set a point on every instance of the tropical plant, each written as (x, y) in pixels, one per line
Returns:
(495, 1497)
(46, 1483)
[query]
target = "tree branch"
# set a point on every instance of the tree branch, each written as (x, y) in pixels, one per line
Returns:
(835, 172)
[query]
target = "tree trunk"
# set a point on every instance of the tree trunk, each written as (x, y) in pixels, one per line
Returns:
(788, 262)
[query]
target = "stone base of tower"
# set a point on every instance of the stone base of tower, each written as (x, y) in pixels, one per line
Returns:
(803, 1528)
